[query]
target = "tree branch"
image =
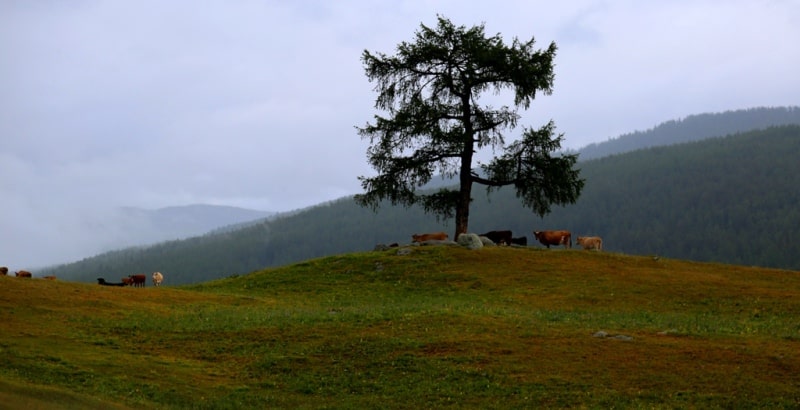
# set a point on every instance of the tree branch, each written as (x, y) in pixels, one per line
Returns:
(491, 182)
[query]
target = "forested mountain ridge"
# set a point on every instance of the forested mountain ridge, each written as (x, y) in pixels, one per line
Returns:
(695, 128)
(730, 199)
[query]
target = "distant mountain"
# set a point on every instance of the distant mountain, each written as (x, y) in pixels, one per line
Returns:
(729, 199)
(129, 226)
(694, 128)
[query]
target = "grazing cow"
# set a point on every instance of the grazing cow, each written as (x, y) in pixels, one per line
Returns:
(127, 281)
(157, 278)
(23, 274)
(590, 242)
(49, 277)
(3, 271)
(556, 238)
(499, 237)
(101, 281)
(139, 280)
(522, 241)
(436, 236)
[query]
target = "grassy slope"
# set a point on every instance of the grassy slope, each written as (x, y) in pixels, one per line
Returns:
(441, 327)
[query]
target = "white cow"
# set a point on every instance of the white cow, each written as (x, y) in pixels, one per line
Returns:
(157, 278)
(591, 242)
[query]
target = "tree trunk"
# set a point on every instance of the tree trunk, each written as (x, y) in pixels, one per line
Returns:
(464, 197)
(465, 176)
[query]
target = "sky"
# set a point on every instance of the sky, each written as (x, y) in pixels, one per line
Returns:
(254, 104)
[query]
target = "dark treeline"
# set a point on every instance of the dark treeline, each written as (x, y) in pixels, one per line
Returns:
(694, 128)
(731, 199)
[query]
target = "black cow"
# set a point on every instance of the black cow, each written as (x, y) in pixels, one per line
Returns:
(522, 241)
(499, 237)
(101, 281)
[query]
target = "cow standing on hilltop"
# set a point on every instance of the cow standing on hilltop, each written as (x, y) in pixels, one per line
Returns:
(138, 280)
(555, 238)
(157, 278)
(590, 242)
(3, 271)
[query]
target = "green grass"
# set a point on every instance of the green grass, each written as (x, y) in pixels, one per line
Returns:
(440, 328)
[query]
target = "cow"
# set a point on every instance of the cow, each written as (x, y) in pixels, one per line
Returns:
(102, 282)
(23, 274)
(556, 238)
(157, 278)
(590, 242)
(522, 241)
(499, 237)
(435, 236)
(3, 271)
(49, 277)
(139, 280)
(127, 281)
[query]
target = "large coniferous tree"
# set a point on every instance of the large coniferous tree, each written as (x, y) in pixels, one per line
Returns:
(436, 124)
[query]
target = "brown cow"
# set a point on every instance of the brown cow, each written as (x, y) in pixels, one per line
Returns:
(556, 238)
(3, 271)
(24, 274)
(436, 236)
(139, 280)
(590, 242)
(49, 277)
(127, 281)
(499, 237)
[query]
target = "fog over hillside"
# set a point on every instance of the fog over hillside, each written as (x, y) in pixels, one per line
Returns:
(91, 233)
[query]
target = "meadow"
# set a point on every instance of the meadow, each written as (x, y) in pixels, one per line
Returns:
(440, 327)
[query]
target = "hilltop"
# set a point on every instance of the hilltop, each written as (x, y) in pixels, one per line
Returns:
(438, 327)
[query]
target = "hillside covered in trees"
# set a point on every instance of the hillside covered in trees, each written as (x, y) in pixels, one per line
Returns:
(729, 199)
(695, 128)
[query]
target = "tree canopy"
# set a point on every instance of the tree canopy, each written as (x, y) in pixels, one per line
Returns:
(436, 123)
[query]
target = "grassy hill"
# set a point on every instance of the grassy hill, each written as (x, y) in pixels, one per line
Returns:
(440, 327)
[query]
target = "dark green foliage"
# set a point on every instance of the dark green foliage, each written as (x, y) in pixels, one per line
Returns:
(430, 90)
(539, 179)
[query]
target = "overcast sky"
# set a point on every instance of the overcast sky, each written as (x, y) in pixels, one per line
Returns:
(254, 103)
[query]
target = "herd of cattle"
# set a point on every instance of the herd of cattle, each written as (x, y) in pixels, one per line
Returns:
(137, 281)
(546, 238)
(23, 274)
(132, 280)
